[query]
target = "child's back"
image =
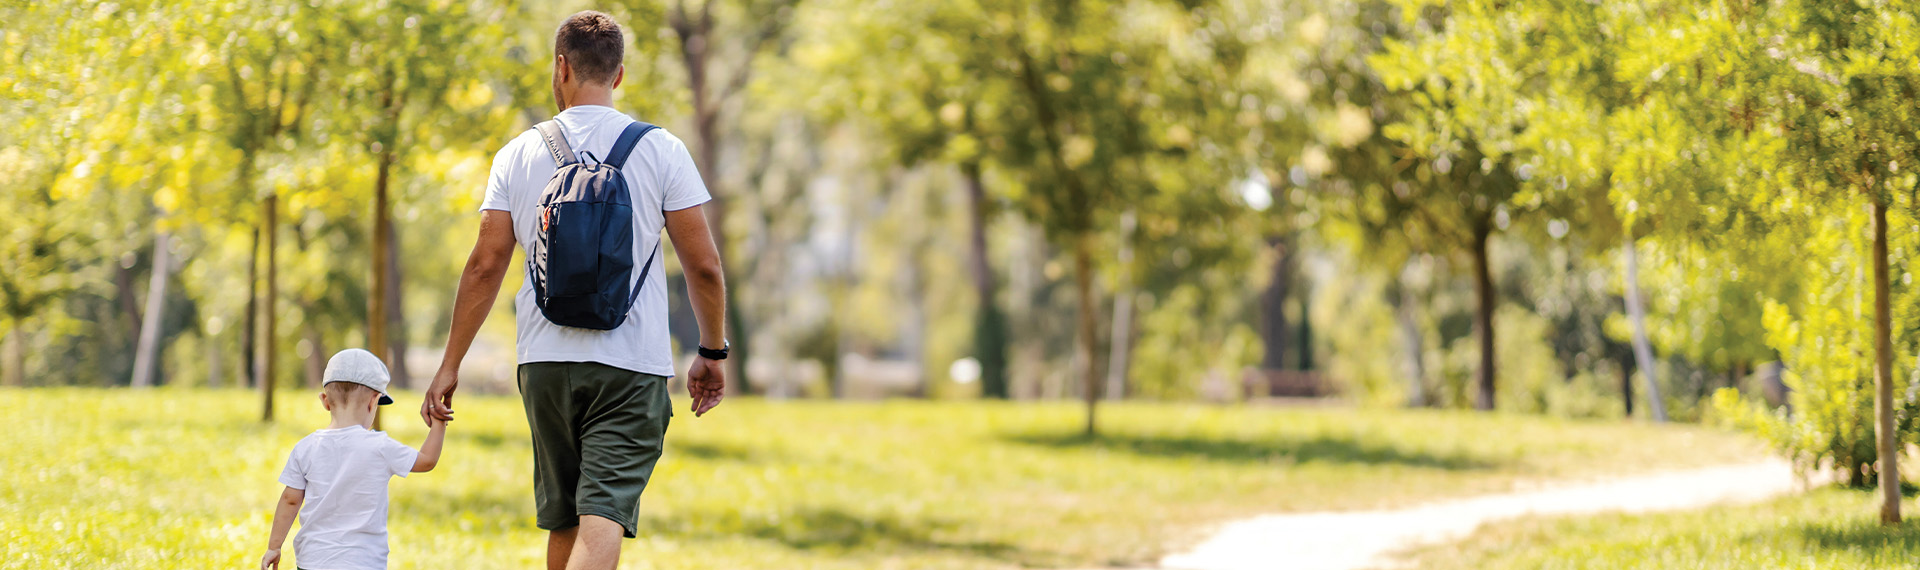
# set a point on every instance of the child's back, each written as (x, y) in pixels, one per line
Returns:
(337, 477)
(344, 472)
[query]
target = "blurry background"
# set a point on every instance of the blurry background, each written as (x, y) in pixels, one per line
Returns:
(1162, 200)
(1670, 210)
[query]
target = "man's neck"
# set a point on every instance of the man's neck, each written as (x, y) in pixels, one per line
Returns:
(590, 96)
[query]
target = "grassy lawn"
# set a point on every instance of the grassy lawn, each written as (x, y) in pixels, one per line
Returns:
(185, 479)
(1829, 528)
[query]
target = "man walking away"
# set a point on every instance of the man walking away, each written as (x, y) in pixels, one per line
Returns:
(593, 346)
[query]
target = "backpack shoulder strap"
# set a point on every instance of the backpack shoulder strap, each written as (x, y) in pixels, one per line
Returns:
(644, 269)
(556, 142)
(617, 158)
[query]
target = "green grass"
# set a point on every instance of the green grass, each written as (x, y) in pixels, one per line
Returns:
(185, 479)
(1828, 528)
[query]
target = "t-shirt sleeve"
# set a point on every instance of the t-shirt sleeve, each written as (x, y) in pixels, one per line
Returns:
(681, 179)
(295, 473)
(496, 197)
(399, 457)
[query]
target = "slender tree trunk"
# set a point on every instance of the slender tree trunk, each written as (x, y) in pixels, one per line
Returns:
(1120, 349)
(129, 302)
(696, 35)
(1304, 352)
(316, 363)
(1411, 342)
(249, 357)
(376, 294)
(1276, 335)
(146, 356)
(269, 211)
(13, 356)
(1083, 288)
(1642, 350)
(397, 345)
(1888, 446)
(216, 362)
(989, 325)
(1483, 317)
(1626, 387)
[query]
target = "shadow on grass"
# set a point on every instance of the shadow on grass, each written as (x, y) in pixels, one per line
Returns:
(1865, 535)
(1321, 449)
(838, 531)
(714, 451)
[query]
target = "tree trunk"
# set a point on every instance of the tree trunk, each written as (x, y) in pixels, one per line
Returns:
(377, 293)
(989, 324)
(1642, 350)
(1083, 348)
(216, 362)
(317, 354)
(124, 295)
(147, 354)
(696, 39)
(269, 210)
(1304, 352)
(250, 358)
(1483, 317)
(1275, 334)
(397, 345)
(1626, 387)
(1119, 350)
(1411, 342)
(13, 357)
(1888, 446)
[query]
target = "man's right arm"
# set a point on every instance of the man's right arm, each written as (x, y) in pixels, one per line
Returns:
(479, 286)
(707, 287)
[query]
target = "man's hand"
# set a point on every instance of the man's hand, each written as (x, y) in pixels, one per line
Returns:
(439, 401)
(271, 561)
(707, 382)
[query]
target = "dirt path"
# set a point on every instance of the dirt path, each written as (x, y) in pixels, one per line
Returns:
(1368, 539)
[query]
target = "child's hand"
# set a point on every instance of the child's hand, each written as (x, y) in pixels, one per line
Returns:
(271, 561)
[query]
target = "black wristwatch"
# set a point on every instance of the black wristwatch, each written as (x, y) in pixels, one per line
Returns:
(721, 354)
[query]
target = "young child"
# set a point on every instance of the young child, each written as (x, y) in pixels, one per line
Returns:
(336, 478)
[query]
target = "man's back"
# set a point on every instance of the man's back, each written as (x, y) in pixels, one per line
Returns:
(661, 176)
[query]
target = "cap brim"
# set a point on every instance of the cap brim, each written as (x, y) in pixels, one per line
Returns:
(385, 399)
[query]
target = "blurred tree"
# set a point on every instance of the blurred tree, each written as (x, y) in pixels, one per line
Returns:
(1816, 116)
(402, 101)
(1460, 124)
(745, 30)
(926, 95)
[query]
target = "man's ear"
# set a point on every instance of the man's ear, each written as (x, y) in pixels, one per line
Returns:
(619, 73)
(561, 70)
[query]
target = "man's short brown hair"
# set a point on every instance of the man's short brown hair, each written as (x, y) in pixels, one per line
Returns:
(592, 44)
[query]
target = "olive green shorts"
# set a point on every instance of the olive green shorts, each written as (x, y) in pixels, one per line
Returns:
(597, 433)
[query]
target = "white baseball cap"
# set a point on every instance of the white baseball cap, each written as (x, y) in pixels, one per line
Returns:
(359, 367)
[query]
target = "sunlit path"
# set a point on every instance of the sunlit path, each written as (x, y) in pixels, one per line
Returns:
(1368, 539)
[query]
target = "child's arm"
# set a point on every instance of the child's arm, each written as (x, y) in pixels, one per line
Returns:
(283, 514)
(430, 451)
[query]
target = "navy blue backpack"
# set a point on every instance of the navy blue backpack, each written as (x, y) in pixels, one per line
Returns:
(582, 263)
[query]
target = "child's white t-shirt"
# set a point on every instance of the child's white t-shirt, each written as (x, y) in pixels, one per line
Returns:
(344, 518)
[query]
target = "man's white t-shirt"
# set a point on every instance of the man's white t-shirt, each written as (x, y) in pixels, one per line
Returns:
(343, 521)
(661, 178)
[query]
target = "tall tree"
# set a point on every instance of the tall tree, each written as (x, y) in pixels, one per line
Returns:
(714, 84)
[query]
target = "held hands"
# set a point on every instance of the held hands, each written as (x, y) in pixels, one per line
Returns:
(707, 382)
(271, 561)
(439, 400)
